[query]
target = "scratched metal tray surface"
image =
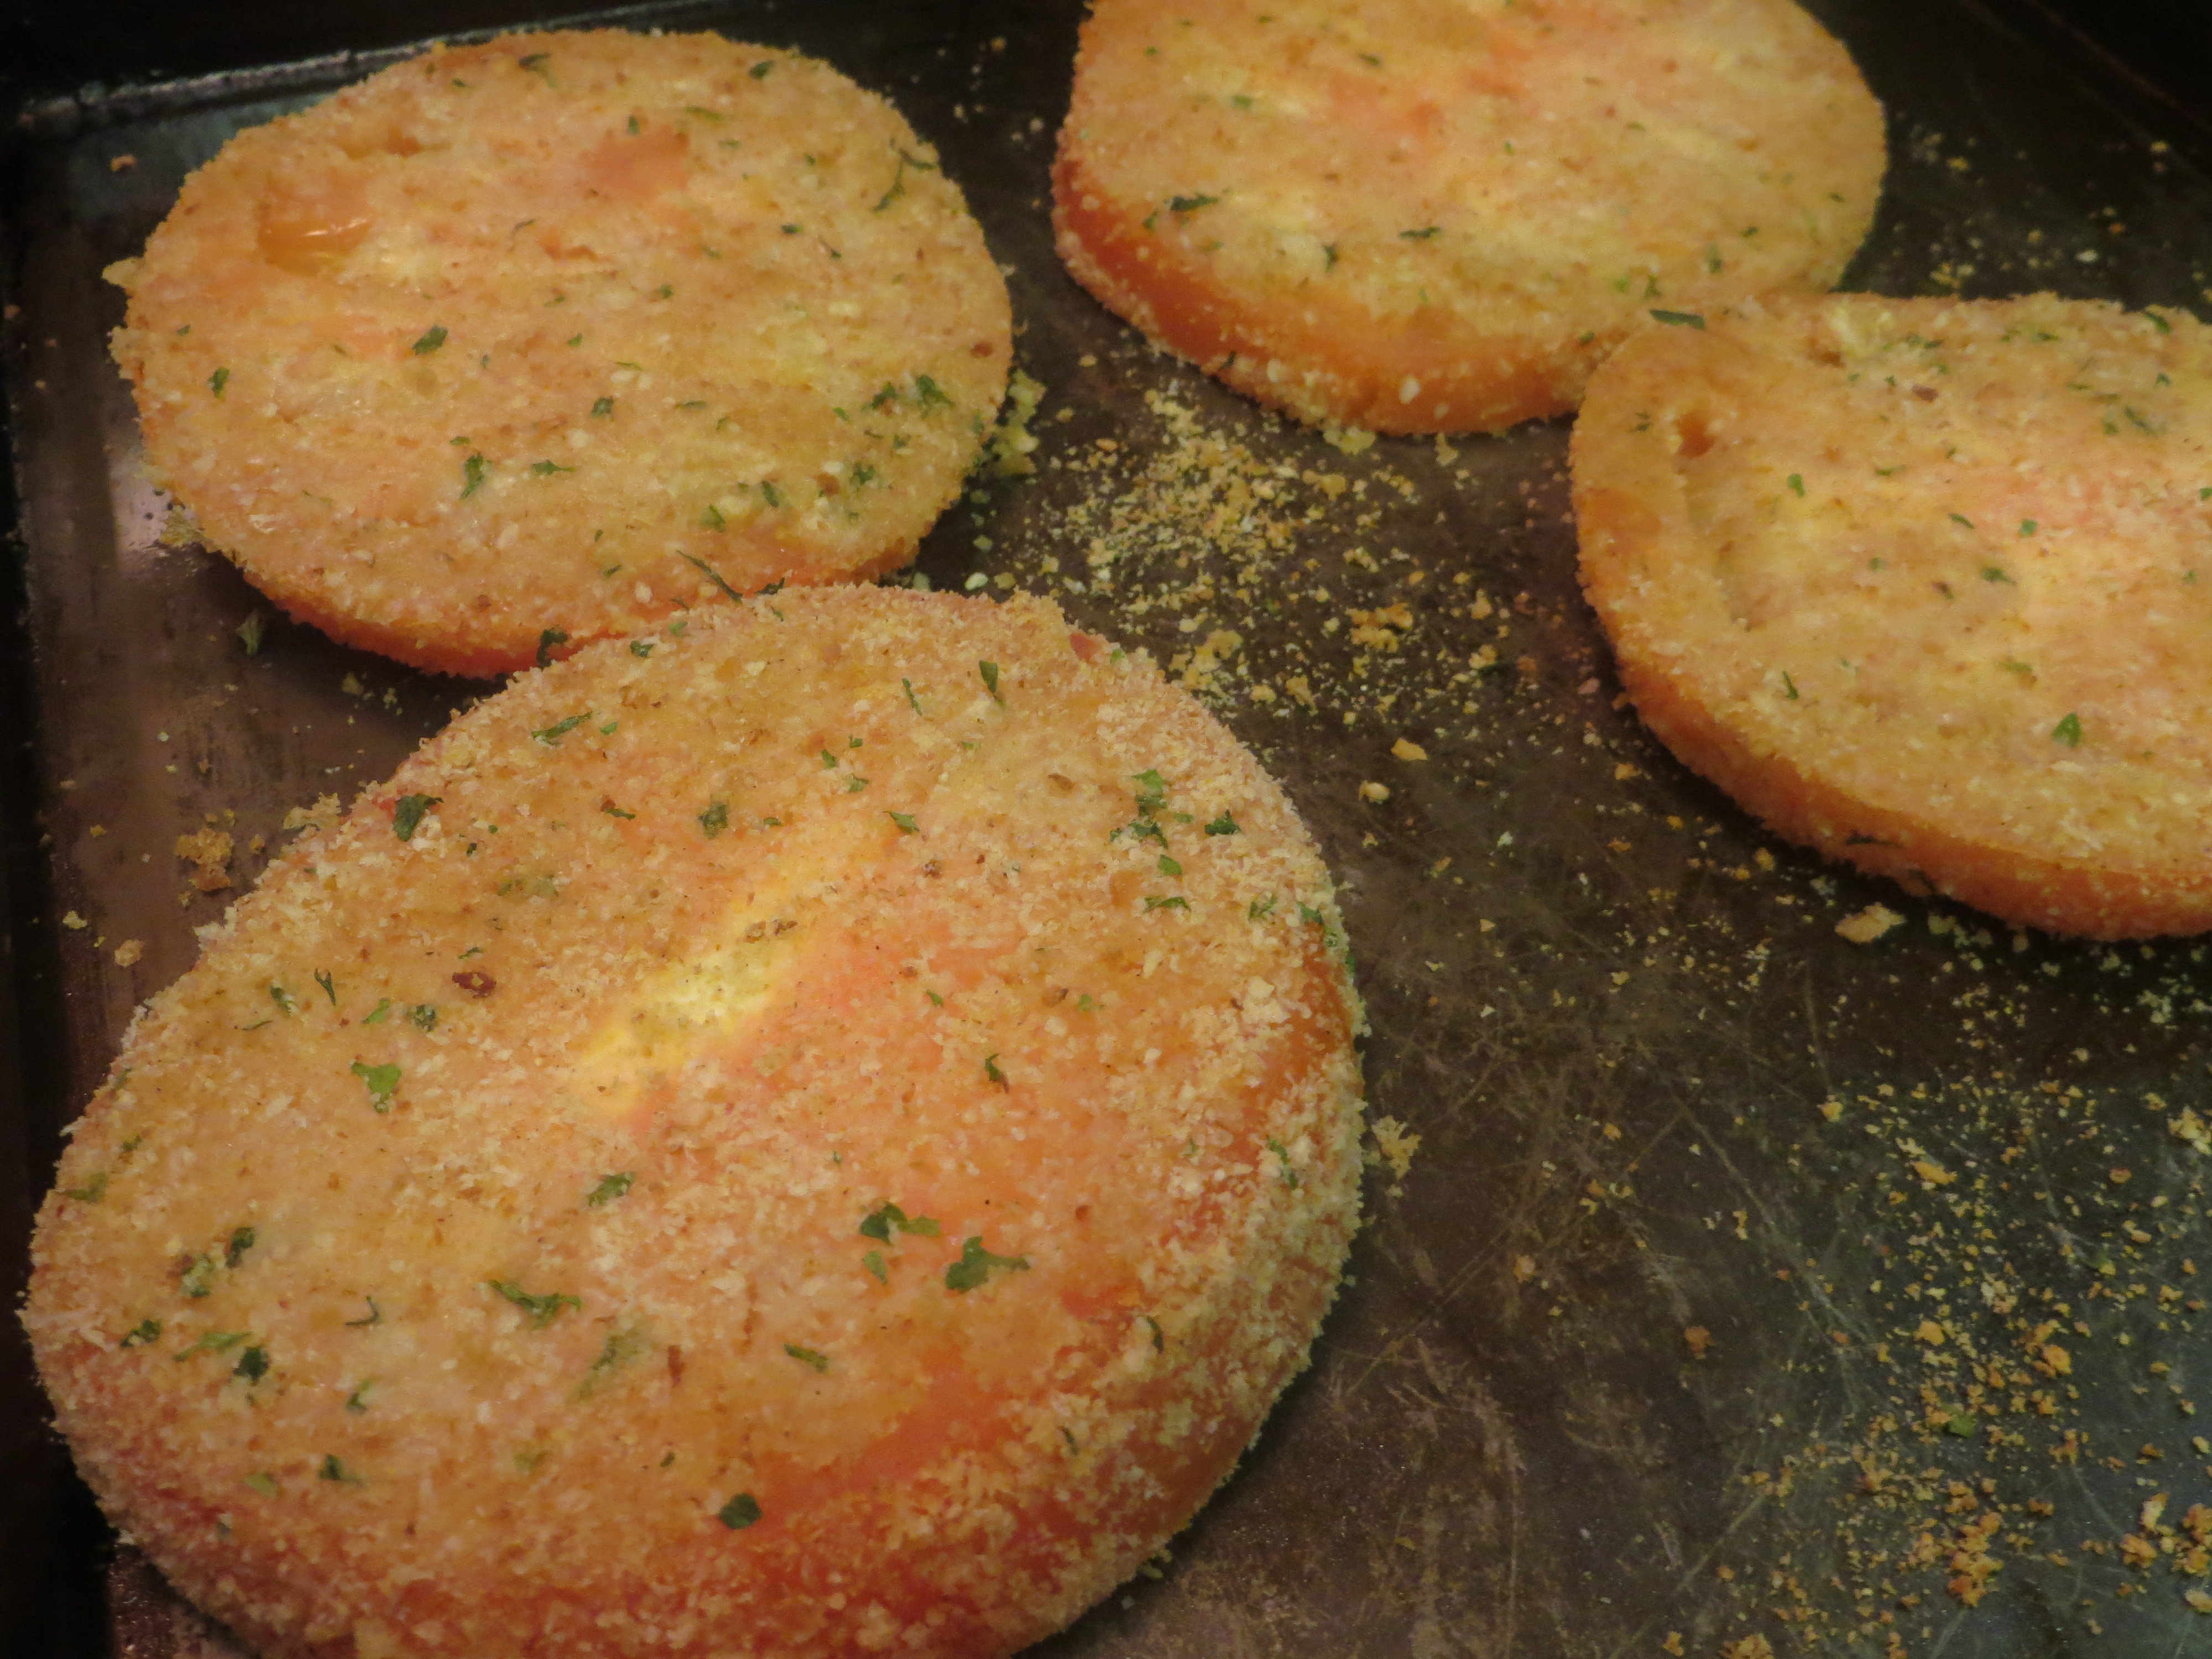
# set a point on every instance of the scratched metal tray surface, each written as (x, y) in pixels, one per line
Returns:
(1749, 1290)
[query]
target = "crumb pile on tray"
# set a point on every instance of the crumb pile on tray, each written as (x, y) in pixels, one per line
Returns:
(556, 334)
(1414, 216)
(1924, 584)
(821, 1129)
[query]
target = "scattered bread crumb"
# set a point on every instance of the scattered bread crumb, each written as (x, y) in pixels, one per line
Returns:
(1870, 924)
(129, 951)
(1406, 750)
(209, 849)
(1397, 1147)
(1377, 793)
(74, 921)
(1700, 1340)
(324, 810)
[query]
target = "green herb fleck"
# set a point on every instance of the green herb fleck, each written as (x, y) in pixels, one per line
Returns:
(1962, 1425)
(472, 474)
(1289, 1177)
(330, 986)
(407, 814)
(928, 394)
(552, 734)
(250, 632)
(1427, 233)
(1798, 484)
(376, 1016)
(358, 1400)
(217, 380)
(253, 1365)
(1224, 825)
(989, 670)
(878, 1223)
(807, 1356)
(263, 1482)
(429, 342)
(912, 702)
(905, 822)
(714, 576)
(333, 1470)
(641, 649)
(242, 1241)
(91, 1192)
(2067, 731)
(741, 1510)
(873, 1262)
(976, 1264)
(1155, 901)
(1168, 866)
(1152, 792)
(1262, 909)
(144, 1334)
(1190, 204)
(609, 1189)
(423, 1017)
(603, 408)
(1961, 518)
(375, 1316)
(541, 1310)
(213, 1342)
(281, 998)
(1788, 686)
(991, 1071)
(381, 1081)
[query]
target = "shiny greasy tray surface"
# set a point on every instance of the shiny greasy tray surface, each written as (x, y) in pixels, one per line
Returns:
(1618, 1351)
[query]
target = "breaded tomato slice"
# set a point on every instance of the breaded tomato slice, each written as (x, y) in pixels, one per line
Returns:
(518, 345)
(1431, 215)
(1924, 584)
(820, 1130)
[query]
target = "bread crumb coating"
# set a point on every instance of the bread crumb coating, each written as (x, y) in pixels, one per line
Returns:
(518, 345)
(820, 1129)
(1425, 215)
(1922, 584)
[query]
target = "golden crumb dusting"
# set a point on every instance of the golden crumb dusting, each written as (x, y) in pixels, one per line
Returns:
(129, 952)
(518, 344)
(854, 1087)
(1396, 1144)
(322, 812)
(1865, 927)
(1699, 1339)
(210, 851)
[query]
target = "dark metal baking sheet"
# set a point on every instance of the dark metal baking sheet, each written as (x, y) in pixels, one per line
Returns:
(1640, 1353)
